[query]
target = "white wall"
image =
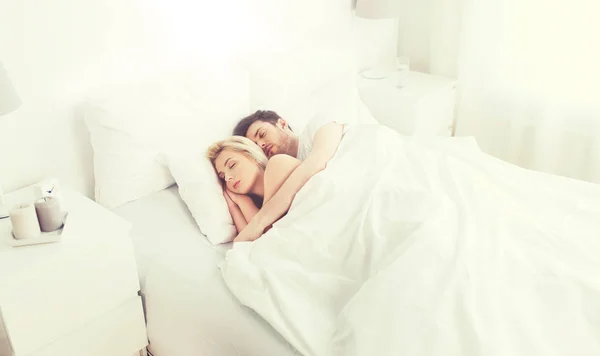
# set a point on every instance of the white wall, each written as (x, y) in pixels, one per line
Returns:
(429, 33)
(57, 51)
(377, 41)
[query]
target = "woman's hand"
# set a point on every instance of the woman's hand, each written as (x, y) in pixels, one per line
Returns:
(230, 202)
(242, 209)
(236, 198)
(235, 211)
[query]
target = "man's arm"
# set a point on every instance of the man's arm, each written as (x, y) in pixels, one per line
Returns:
(325, 144)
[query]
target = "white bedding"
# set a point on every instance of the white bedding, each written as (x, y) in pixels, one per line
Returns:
(406, 248)
(189, 310)
(161, 221)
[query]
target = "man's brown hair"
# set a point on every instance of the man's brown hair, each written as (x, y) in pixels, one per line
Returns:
(241, 129)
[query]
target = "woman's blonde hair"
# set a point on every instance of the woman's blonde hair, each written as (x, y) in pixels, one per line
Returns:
(239, 144)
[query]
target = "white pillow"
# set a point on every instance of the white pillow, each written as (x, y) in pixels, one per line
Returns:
(337, 100)
(130, 124)
(200, 189)
(340, 101)
(124, 169)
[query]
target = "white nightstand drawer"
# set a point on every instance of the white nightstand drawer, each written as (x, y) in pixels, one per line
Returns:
(44, 306)
(102, 338)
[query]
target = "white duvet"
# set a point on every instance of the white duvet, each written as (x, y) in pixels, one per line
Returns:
(406, 248)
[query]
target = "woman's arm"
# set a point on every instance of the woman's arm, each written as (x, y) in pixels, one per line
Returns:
(245, 204)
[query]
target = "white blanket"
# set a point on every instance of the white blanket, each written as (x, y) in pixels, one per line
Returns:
(406, 248)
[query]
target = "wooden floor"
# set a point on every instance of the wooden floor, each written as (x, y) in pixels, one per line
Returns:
(5, 349)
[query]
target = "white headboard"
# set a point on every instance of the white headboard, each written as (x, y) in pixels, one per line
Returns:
(65, 48)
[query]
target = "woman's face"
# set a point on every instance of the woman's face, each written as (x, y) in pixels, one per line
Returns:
(237, 171)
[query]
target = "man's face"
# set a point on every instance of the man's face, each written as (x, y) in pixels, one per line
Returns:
(273, 139)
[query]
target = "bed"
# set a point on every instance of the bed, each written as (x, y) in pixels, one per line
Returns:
(189, 309)
(138, 123)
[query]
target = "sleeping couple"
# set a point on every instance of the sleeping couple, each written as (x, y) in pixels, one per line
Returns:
(266, 159)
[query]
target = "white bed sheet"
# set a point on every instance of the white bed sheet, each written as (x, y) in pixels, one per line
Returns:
(189, 309)
(160, 221)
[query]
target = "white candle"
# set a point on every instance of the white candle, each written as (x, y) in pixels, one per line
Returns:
(24, 222)
(49, 214)
(402, 69)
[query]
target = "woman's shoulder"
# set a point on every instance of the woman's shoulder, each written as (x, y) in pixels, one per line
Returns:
(281, 164)
(279, 169)
(282, 160)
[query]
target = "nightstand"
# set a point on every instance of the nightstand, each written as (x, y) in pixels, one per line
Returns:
(423, 107)
(78, 296)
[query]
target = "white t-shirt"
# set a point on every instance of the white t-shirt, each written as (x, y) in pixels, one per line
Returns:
(305, 140)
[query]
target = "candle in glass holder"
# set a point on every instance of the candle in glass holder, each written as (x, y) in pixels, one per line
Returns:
(24, 222)
(402, 70)
(49, 214)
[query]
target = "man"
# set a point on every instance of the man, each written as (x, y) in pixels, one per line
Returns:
(314, 147)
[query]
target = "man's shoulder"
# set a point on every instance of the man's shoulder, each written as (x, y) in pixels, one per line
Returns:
(304, 143)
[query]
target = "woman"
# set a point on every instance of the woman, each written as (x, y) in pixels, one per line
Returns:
(246, 173)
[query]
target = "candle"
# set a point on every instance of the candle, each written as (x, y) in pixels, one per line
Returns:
(24, 222)
(49, 214)
(402, 71)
